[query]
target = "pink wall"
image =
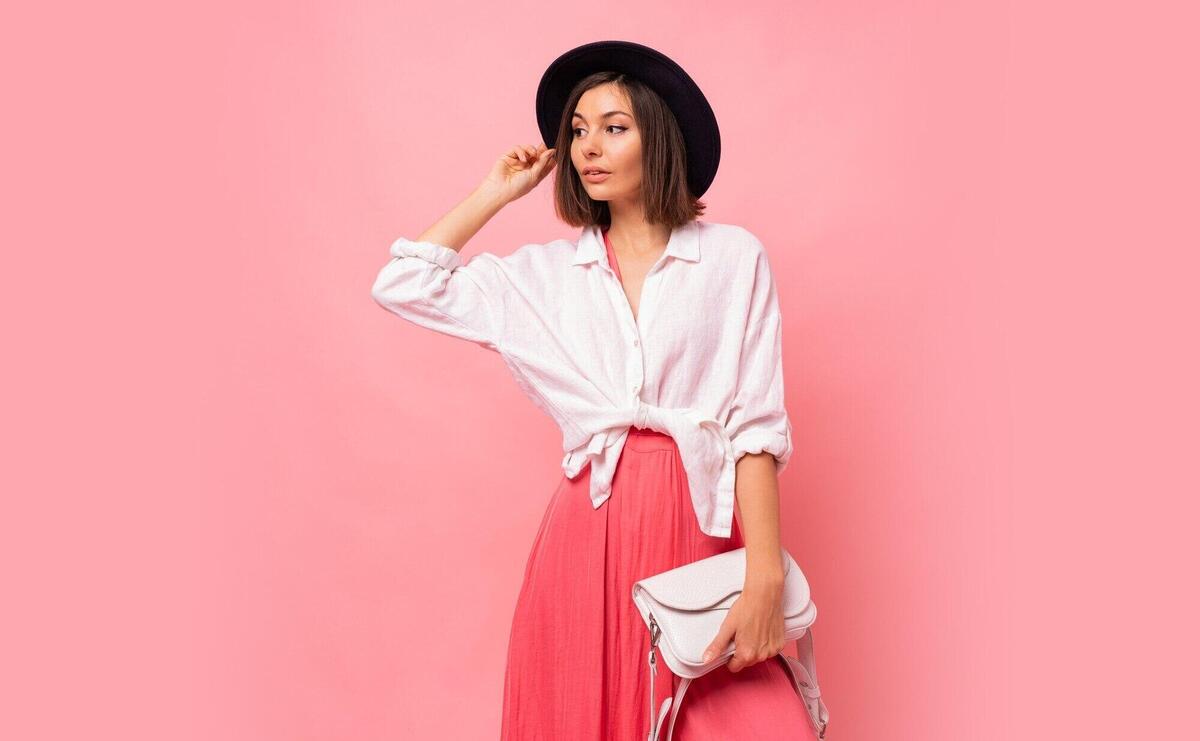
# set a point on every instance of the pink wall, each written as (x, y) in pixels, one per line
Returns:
(245, 503)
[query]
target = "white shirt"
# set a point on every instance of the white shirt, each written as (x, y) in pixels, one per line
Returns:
(701, 363)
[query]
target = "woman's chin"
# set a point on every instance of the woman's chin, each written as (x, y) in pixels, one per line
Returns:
(600, 191)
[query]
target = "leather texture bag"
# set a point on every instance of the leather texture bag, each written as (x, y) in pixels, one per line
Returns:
(684, 607)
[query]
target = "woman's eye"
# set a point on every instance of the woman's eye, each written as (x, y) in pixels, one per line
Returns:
(575, 132)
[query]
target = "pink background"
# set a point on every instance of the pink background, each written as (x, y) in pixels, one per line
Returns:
(244, 502)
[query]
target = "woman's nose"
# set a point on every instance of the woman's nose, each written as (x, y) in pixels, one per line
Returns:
(590, 147)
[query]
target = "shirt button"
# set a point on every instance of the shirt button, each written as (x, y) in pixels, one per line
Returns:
(636, 342)
(636, 389)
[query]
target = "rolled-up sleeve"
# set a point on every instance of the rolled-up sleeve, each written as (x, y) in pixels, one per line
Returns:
(430, 285)
(758, 421)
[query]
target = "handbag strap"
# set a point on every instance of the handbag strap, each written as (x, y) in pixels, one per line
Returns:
(803, 673)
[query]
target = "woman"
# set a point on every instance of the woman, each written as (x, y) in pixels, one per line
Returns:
(654, 343)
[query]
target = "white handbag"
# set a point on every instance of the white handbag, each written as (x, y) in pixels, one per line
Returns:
(684, 608)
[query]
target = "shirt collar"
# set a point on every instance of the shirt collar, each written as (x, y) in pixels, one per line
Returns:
(683, 243)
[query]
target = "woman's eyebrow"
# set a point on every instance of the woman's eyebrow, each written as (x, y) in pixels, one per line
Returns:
(606, 115)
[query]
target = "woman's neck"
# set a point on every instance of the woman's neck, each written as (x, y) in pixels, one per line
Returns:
(638, 239)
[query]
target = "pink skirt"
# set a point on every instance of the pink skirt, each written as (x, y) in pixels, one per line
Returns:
(577, 651)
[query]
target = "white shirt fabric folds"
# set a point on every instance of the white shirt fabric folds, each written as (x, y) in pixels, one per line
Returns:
(702, 361)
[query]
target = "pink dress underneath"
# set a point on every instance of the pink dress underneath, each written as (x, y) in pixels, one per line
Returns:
(576, 667)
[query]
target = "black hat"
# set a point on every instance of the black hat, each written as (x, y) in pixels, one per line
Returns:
(701, 137)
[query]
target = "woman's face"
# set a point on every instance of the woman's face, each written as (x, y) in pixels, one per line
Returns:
(605, 136)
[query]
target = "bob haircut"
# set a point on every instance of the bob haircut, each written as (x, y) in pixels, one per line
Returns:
(665, 195)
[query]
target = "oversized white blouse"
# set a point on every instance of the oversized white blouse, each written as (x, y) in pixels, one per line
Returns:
(702, 362)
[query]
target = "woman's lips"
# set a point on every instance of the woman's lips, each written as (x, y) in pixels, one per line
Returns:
(596, 177)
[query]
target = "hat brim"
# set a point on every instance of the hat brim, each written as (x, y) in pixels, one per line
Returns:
(701, 136)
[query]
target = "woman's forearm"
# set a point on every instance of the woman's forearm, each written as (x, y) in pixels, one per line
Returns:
(462, 222)
(757, 508)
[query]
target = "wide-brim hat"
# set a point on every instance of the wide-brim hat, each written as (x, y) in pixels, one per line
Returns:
(701, 137)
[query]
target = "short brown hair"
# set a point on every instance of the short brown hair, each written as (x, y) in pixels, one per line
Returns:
(665, 195)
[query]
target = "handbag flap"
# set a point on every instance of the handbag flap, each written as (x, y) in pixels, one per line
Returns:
(710, 581)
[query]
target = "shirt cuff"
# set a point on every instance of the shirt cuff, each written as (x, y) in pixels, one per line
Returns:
(438, 254)
(764, 441)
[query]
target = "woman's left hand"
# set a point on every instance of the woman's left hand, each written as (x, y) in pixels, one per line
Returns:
(754, 624)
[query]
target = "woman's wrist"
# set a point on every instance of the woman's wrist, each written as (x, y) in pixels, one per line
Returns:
(764, 579)
(490, 197)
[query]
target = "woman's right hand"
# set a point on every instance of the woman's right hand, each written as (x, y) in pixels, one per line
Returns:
(519, 170)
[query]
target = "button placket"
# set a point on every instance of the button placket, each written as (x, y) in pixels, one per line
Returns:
(631, 326)
(649, 287)
(636, 366)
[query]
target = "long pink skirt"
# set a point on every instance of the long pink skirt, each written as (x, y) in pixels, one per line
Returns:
(577, 650)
